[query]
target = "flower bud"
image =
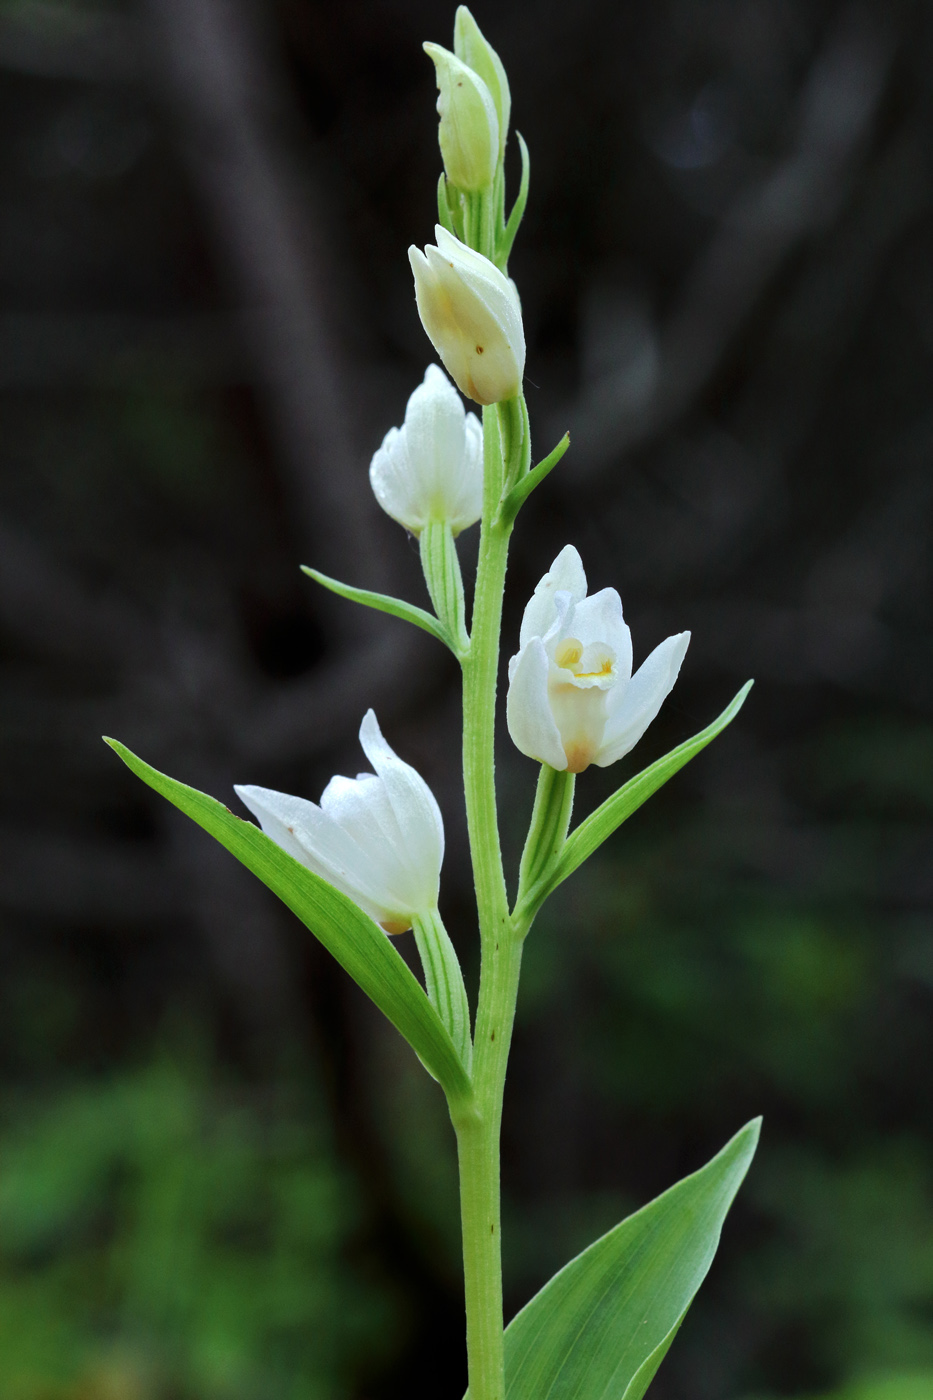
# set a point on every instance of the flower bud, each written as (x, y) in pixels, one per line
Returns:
(572, 697)
(469, 125)
(431, 469)
(378, 838)
(473, 49)
(473, 317)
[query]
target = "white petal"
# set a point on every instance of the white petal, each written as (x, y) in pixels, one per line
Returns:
(599, 619)
(305, 832)
(434, 434)
(528, 710)
(642, 698)
(414, 807)
(565, 575)
(497, 292)
(360, 807)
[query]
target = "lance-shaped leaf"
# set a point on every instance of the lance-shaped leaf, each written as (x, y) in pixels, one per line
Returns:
(524, 487)
(383, 602)
(507, 237)
(610, 815)
(360, 947)
(601, 1327)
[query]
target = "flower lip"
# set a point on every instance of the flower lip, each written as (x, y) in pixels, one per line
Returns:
(586, 666)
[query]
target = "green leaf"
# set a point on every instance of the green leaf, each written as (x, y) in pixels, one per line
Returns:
(382, 602)
(601, 1327)
(610, 815)
(504, 247)
(360, 947)
(523, 488)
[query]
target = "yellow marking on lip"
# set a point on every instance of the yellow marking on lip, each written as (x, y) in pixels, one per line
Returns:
(604, 670)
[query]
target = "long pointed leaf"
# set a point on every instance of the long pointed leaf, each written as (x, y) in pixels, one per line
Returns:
(523, 488)
(602, 1325)
(592, 832)
(384, 602)
(359, 946)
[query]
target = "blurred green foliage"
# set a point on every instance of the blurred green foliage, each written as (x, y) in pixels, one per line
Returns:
(168, 1235)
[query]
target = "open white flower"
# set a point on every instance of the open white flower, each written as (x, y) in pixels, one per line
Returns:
(378, 837)
(431, 469)
(572, 698)
(473, 317)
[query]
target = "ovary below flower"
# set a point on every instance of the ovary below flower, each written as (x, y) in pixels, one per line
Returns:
(473, 317)
(572, 697)
(378, 838)
(431, 469)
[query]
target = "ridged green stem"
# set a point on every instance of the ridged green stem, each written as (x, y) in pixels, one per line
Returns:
(478, 1134)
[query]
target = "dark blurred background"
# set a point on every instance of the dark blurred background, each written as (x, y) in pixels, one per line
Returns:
(222, 1177)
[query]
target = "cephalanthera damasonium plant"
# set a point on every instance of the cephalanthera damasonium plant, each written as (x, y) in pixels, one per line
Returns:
(365, 864)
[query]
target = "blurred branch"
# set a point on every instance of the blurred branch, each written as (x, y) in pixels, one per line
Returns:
(765, 224)
(226, 91)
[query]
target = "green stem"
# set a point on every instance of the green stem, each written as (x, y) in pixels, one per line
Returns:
(478, 1134)
(479, 225)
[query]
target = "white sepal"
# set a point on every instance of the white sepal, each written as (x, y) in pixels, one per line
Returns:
(473, 317)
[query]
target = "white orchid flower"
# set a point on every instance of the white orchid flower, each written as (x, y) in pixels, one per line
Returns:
(572, 697)
(473, 317)
(431, 469)
(378, 837)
